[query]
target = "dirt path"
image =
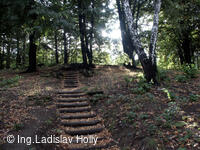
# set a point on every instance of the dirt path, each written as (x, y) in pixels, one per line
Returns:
(82, 125)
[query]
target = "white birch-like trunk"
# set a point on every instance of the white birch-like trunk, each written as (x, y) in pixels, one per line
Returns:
(133, 32)
(154, 32)
(148, 64)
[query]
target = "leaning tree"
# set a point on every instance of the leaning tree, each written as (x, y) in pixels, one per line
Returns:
(148, 62)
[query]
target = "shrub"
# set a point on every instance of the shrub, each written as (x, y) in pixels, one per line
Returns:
(190, 71)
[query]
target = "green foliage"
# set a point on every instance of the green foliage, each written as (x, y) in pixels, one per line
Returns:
(101, 58)
(131, 116)
(171, 96)
(190, 71)
(194, 97)
(121, 59)
(149, 144)
(162, 75)
(142, 87)
(18, 126)
(181, 78)
(182, 148)
(150, 96)
(128, 80)
(178, 22)
(96, 98)
(143, 116)
(10, 82)
(49, 122)
(172, 111)
(180, 124)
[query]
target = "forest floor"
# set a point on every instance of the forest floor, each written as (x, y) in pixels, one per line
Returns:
(27, 102)
(148, 117)
(138, 115)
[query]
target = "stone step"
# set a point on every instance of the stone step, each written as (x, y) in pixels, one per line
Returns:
(74, 110)
(79, 116)
(70, 92)
(87, 131)
(70, 86)
(74, 76)
(71, 95)
(70, 77)
(68, 100)
(71, 74)
(71, 82)
(82, 104)
(80, 123)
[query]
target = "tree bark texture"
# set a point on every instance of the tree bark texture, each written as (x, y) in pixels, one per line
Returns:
(32, 53)
(56, 48)
(18, 58)
(82, 32)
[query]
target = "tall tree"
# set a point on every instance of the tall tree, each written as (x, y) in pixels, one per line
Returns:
(32, 52)
(148, 63)
(180, 27)
(56, 47)
(65, 48)
(82, 31)
(18, 58)
(126, 39)
(2, 52)
(8, 53)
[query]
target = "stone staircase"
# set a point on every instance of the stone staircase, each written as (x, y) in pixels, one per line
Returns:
(80, 123)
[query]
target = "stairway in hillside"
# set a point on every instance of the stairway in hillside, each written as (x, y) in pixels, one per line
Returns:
(83, 125)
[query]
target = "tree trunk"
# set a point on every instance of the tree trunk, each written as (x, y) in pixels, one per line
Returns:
(8, 54)
(86, 40)
(153, 40)
(24, 51)
(18, 58)
(81, 29)
(65, 48)
(134, 62)
(187, 50)
(149, 69)
(2, 55)
(1, 59)
(126, 40)
(32, 53)
(181, 57)
(91, 34)
(56, 48)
